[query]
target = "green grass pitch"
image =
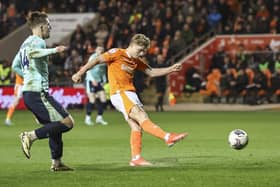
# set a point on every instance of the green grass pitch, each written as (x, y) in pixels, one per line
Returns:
(100, 154)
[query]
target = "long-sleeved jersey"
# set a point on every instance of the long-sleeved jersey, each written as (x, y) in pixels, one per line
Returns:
(31, 62)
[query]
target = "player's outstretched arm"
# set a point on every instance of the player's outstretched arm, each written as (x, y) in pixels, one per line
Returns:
(41, 52)
(157, 72)
(77, 76)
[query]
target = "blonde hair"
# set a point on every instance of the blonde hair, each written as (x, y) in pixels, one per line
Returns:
(140, 39)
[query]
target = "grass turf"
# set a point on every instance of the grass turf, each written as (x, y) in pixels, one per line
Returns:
(100, 154)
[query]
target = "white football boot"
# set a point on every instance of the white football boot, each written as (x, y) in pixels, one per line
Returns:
(88, 121)
(100, 120)
(26, 143)
(8, 122)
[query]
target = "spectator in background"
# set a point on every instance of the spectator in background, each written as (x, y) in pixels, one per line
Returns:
(214, 17)
(78, 36)
(218, 59)
(56, 60)
(5, 73)
(177, 44)
(160, 83)
(242, 81)
(101, 35)
(225, 12)
(259, 83)
(135, 17)
(201, 27)
(193, 80)
(250, 27)
(187, 34)
(228, 84)
(227, 64)
(178, 22)
(242, 57)
(262, 12)
(274, 25)
(262, 25)
(238, 27)
(74, 61)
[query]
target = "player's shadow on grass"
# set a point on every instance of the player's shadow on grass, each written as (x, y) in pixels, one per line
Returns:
(158, 164)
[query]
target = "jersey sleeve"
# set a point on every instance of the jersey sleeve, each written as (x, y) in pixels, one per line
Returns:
(16, 66)
(110, 55)
(38, 53)
(39, 50)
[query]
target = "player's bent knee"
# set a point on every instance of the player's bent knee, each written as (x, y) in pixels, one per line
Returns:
(68, 121)
(138, 114)
(133, 125)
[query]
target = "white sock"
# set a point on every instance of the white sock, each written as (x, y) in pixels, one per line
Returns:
(32, 135)
(136, 157)
(56, 162)
(166, 137)
(99, 117)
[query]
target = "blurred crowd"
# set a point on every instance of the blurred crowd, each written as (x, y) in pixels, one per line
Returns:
(172, 25)
(244, 77)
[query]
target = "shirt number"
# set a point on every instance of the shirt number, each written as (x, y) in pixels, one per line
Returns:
(24, 60)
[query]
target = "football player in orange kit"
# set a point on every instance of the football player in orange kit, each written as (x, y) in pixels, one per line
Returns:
(122, 64)
(17, 97)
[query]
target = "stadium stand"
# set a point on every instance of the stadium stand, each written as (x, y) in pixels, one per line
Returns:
(172, 26)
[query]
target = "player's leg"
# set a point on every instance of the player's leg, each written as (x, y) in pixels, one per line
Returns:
(134, 109)
(49, 113)
(136, 145)
(136, 132)
(100, 107)
(138, 114)
(17, 97)
(90, 104)
(89, 108)
(56, 145)
(127, 103)
(55, 139)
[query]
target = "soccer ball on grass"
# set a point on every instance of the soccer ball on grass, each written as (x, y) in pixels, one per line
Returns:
(238, 139)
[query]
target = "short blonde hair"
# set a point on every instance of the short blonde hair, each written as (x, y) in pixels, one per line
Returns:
(140, 39)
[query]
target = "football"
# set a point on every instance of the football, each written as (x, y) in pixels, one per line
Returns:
(238, 139)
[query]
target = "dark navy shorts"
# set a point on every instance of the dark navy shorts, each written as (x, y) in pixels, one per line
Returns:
(93, 89)
(44, 107)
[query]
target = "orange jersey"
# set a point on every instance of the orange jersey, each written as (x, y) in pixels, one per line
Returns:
(19, 79)
(121, 69)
